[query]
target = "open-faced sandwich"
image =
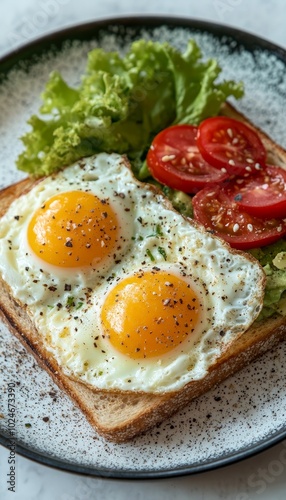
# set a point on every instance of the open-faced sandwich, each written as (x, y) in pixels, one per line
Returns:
(143, 259)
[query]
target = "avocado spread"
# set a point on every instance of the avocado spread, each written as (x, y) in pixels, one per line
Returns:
(273, 260)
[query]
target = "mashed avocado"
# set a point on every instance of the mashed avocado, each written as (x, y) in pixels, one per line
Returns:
(273, 260)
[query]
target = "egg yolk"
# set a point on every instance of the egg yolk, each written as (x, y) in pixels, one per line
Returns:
(73, 229)
(150, 314)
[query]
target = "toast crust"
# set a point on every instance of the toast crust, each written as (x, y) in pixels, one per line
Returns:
(121, 416)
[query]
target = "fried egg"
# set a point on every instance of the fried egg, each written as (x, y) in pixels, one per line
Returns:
(125, 292)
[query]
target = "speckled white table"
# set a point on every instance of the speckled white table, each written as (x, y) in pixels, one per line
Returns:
(262, 477)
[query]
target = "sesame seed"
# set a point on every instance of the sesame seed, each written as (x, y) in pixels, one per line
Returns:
(249, 160)
(249, 169)
(223, 170)
(235, 228)
(166, 302)
(250, 227)
(257, 166)
(168, 158)
(231, 162)
(192, 149)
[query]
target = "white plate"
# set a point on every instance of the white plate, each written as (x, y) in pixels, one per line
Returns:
(243, 415)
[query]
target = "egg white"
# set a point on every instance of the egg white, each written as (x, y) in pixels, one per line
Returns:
(24, 267)
(65, 305)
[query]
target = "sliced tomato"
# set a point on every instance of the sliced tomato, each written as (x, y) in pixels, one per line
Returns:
(231, 145)
(175, 160)
(218, 213)
(262, 195)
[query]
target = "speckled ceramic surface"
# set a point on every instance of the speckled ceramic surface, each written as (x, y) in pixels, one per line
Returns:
(244, 414)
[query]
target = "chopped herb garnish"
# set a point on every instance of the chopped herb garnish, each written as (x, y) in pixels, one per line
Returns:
(149, 253)
(157, 233)
(159, 230)
(162, 251)
(70, 302)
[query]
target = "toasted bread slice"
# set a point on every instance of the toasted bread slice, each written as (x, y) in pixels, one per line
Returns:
(121, 416)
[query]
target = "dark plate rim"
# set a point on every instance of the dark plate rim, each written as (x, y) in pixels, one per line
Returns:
(78, 31)
(116, 474)
(84, 31)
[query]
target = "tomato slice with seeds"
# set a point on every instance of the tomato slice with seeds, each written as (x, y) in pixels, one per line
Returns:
(175, 160)
(231, 145)
(262, 195)
(218, 213)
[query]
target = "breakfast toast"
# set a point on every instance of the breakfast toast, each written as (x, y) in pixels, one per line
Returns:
(120, 416)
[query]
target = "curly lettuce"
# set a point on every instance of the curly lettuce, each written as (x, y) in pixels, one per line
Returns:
(121, 104)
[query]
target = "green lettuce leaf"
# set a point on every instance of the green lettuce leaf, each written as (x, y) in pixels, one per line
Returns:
(121, 104)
